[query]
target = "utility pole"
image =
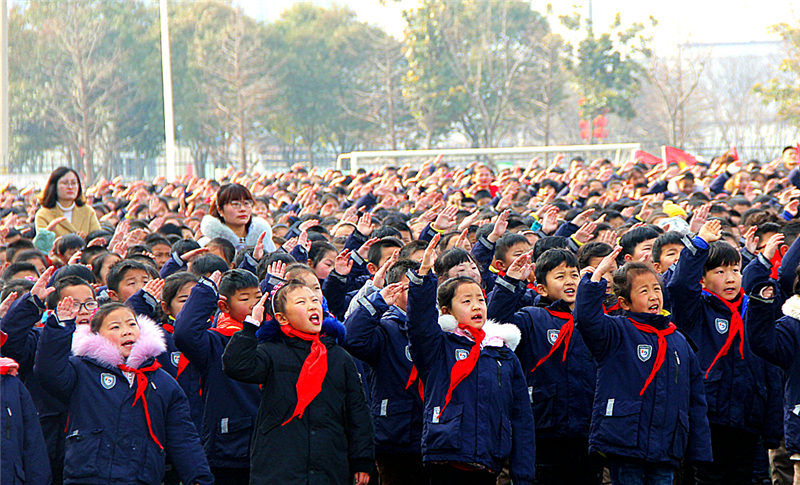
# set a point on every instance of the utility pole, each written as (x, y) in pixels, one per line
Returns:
(4, 124)
(591, 16)
(169, 116)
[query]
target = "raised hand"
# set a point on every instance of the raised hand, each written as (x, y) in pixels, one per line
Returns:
(586, 232)
(40, 289)
(216, 276)
(380, 276)
(55, 222)
(303, 240)
(258, 310)
(750, 239)
(550, 221)
(583, 217)
(430, 256)
(463, 241)
(66, 310)
(446, 219)
(391, 292)
(500, 226)
(306, 225)
(364, 225)
(154, 287)
(711, 231)
(190, 256)
(290, 244)
(277, 269)
(699, 218)
(258, 251)
(606, 264)
(774, 243)
(343, 263)
(363, 251)
(521, 267)
(6, 304)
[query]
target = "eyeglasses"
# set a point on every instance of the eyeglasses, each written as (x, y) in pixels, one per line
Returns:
(90, 305)
(238, 204)
(68, 183)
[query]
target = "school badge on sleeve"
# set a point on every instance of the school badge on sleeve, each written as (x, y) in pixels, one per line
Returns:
(552, 335)
(175, 358)
(644, 352)
(462, 354)
(721, 325)
(108, 380)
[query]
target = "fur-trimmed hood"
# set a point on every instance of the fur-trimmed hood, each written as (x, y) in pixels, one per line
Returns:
(791, 308)
(212, 227)
(509, 333)
(151, 344)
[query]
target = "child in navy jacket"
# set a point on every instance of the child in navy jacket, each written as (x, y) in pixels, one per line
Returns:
(778, 342)
(742, 390)
(377, 334)
(24, 455)
(125, 412)
(313, 422)
(230, 406)
(649, 411)
(477, 410)
(559, 368)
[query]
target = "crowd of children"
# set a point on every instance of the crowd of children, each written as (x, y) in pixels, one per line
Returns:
(580, 323)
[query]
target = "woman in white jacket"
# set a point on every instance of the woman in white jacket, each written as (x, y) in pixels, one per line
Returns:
(231, 217)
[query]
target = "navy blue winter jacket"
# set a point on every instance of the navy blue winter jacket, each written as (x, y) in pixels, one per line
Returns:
(561, 391)
(230, 406)
(24, 457)
(740, 391)
(488, 421)
(109, 439)
(779, 343)
(377, 334)
(666, 424)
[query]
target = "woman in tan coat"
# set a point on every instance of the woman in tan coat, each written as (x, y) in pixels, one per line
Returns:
(62, 198)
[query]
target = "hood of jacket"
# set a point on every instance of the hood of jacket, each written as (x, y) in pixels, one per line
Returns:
(212, 227)
(792, 307)
(509, 333)
(150, 344)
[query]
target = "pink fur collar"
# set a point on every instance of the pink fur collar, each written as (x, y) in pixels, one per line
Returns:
(150, 344)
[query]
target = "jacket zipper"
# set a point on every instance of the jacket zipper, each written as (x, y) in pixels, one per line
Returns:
(677, 366)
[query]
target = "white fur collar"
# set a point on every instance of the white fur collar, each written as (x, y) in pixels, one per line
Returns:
(151, 343)
(506, 331)
(212, 227)
(792, 307)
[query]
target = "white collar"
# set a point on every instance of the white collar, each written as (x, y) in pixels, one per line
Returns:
(71, 207)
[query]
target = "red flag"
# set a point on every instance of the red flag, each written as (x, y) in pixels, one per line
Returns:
(678, 156)
(797, 152)
(734, 153)
(646, 157)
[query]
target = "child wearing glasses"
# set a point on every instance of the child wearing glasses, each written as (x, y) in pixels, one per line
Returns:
(231, 217)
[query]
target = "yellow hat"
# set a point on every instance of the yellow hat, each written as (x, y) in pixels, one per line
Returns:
(673, 210)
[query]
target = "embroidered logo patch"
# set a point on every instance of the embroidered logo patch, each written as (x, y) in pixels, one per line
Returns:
(552, 335)
(462, 354)
(408, 353)
(175, 357)
(108, 380)
(644, 352)
(721, 325)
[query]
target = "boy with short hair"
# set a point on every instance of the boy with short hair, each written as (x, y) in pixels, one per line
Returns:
(559, 369)
(742, 390)
(126, 277)
(637, 243)
(230, 406)
(666, 253)
(508, 248)
(377, 335)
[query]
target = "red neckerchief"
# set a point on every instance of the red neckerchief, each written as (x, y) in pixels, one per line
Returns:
(141, 386)
(414, 377)
(313, 372)
(662, 346)
(736, 328)
(610, 309)
(182, 360)
(8, 366)
(226, 325)
(564, 335)
(462, 368)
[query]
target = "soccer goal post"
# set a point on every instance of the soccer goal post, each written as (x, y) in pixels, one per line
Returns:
(462, 156)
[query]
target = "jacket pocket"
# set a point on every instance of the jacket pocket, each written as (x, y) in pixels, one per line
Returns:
(502, 446)
(619, 424)
(711, 386)
(82, 448)
(543, 402)
(393, 422)
(233, 437)
(154, 465)
(444, 431)
(681, 438)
